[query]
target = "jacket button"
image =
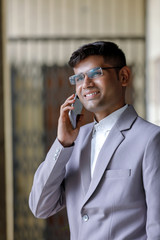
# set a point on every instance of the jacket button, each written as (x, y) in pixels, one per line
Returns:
(85, 218)
(56, 155)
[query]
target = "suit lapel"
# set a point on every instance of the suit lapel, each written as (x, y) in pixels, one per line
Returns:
(85, 162)
(114, 139)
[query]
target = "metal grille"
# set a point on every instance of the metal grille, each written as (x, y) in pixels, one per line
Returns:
(28, 145)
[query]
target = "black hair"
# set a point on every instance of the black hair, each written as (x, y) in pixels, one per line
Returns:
(110, 51)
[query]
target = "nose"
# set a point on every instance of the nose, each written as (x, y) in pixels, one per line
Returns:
(87, 82)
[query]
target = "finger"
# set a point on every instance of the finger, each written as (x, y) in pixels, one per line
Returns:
(68, 101)
(71, 97)
(67, 108)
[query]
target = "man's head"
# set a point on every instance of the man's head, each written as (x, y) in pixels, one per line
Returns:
(101, 76)
(110, 51)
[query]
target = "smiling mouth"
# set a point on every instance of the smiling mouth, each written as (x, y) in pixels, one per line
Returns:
(90, 95)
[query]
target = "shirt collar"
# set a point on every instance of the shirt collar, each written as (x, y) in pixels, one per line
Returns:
(108, 122)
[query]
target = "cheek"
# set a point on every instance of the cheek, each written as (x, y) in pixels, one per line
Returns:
(111, 90)
(78, 91)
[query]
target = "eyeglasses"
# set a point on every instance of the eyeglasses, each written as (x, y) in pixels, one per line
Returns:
(91, 74)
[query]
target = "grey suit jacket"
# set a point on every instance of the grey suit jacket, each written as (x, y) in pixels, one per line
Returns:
(122, 201)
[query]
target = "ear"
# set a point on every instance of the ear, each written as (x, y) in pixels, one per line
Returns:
(124, 76)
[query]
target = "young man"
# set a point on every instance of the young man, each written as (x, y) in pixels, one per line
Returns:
(107, 173)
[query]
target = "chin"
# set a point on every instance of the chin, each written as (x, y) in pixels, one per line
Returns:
(90, 108)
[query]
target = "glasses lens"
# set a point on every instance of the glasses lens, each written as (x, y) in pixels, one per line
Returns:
(76, 79)
(79, 78)
(72, 80)
(94, 73)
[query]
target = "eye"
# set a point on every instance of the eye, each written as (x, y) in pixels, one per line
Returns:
(94, 73)
(79, 77)
(72, 80)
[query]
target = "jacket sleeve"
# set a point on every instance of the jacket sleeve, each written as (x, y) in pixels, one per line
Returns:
(151, 178)
(47, 194)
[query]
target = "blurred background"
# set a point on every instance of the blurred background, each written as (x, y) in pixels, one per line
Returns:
(37, 38)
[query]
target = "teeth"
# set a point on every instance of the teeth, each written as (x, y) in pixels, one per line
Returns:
(91, 94)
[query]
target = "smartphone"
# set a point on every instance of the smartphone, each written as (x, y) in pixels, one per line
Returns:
(73, 114)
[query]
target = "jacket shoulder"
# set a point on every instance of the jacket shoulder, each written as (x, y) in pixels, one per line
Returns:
(148, 126)
(84, 131)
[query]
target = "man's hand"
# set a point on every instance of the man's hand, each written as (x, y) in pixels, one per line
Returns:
(66, 134)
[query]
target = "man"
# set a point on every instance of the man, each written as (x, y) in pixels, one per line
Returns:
(106, 173)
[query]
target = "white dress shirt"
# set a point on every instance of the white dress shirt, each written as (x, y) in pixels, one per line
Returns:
(100, 133)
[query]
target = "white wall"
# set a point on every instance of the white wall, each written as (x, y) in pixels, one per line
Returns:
(78, 17)
(153, 61)
(33, 18)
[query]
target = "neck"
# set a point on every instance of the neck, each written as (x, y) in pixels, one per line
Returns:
(101, 115)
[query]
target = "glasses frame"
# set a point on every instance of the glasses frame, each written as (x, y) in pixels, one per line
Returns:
(73, 81)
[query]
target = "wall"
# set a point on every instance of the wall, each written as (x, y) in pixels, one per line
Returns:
(153, 61)
(58, 19)
(3, 225)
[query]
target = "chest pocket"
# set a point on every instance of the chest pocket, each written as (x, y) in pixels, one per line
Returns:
(117, 173)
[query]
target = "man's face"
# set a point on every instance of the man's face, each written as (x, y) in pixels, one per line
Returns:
(101, 95)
